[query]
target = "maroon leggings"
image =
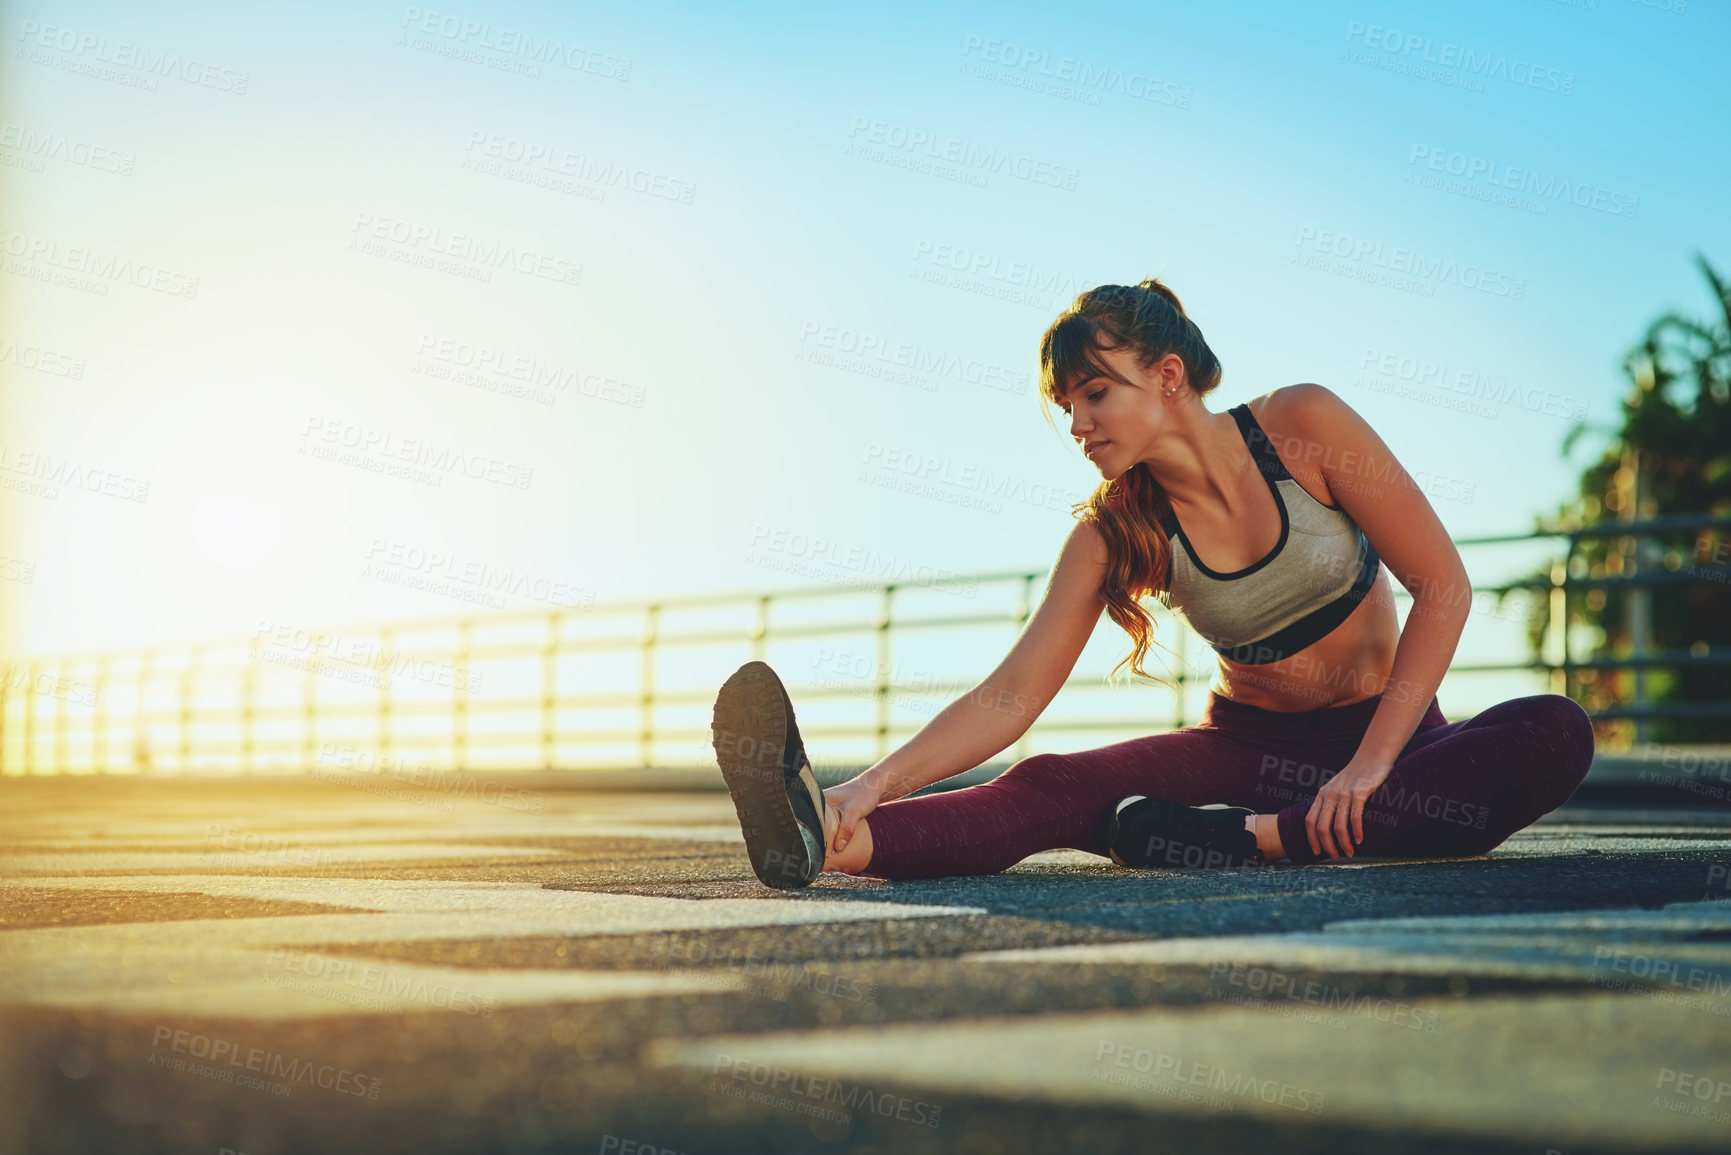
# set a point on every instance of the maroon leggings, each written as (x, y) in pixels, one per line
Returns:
(1457, 789)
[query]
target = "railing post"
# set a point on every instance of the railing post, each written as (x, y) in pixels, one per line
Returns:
(460, 696)
(141, 743)
(549, 691)
(646, 724)
(99, 719)
(1557, 621)
(884, 625)
(760, 630)
(30, 721)
(188, 678)
(62, 688)
(1024, 609)
(1637, 599)
(385, 688)
(248, 712)
(309, 712)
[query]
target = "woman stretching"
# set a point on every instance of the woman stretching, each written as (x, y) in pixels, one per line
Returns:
(1264, 528)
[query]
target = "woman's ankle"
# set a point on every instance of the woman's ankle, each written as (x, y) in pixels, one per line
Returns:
(858, 854)
(1266, 827)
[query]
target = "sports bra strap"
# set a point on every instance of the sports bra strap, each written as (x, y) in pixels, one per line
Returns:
(1261, 451)
(1261, 448)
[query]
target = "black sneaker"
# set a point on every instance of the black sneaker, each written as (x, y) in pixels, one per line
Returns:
(1149, 833)
(779, 804)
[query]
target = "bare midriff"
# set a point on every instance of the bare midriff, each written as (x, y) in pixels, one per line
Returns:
(1349, 665)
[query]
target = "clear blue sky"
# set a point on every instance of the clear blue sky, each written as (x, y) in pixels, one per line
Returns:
(725, 224)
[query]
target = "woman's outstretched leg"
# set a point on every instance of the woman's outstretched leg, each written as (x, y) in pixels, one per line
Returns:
(1462, 788)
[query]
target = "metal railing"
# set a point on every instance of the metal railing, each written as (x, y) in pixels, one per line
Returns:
(568, 688)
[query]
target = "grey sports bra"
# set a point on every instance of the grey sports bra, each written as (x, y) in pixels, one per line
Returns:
(1315, 576)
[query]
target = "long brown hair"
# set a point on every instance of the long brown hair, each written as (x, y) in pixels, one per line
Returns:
(1149, 320)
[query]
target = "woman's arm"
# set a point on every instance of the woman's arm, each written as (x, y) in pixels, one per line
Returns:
(1377, 493)
(990, 717)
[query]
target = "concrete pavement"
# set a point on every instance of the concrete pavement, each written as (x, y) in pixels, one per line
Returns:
(295, 965)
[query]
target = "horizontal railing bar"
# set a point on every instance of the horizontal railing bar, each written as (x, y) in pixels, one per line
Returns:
(1655, 578)
(479, 651)
(702, 734)
(1651, 526)
(214, 669)
(230, 713)
(504, 618)
(1666, 710)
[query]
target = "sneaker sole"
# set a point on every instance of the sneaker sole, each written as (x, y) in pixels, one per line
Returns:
(749, 730)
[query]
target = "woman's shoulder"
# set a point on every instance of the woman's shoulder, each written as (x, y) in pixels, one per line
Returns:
(1308, 416)
(1303, 422)
(1305, 405)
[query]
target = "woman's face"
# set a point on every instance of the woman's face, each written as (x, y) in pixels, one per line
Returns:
(1114, 424)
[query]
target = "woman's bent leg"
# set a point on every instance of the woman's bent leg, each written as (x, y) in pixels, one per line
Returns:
(1463, 788)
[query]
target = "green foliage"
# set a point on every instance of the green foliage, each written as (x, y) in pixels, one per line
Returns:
(1672, 455)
